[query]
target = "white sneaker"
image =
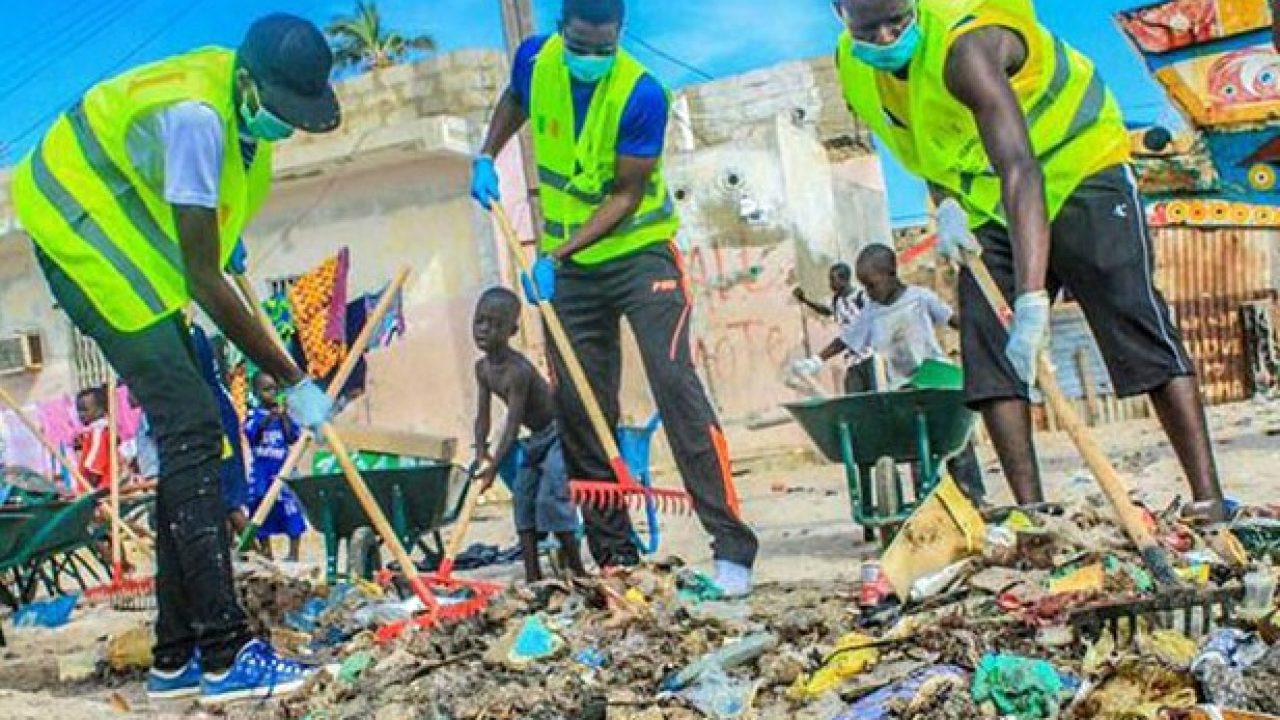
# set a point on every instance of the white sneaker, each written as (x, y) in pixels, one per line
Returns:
(733, 579)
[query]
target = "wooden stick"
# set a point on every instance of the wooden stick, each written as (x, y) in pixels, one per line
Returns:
(369, 503)
(354, 353)
(1108, 479)
(1086, 382)
(460, 529)
(576, 374)
(113, 473)
(73, 469)
(255, 305)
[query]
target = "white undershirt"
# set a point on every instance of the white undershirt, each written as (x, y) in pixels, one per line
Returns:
(178, 152)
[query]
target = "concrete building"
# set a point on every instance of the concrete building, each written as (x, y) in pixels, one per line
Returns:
(772, 177)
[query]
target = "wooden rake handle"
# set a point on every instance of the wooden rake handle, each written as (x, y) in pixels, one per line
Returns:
(81, 483)
(354, 353)
(1113, 486)
(561, 340)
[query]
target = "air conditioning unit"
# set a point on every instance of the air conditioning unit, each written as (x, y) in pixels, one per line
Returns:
(20, 353)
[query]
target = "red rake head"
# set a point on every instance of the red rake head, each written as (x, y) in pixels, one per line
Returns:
(442, 610)
(604, 495)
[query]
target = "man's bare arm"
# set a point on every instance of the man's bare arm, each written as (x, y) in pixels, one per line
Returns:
(632, 179)
(484, 404)
(198, 238)
(508, 118)
(978, 75)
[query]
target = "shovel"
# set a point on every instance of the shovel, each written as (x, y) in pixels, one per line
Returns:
(1153, 555)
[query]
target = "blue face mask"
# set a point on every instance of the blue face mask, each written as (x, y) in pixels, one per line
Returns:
(589, 68)
(264, 125)
(894, 56)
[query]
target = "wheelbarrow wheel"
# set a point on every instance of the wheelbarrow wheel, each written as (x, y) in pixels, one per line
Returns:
(364, 554)
(888, 495)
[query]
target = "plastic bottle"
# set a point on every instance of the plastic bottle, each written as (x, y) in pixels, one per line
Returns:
(1259, 592)
(726, 658)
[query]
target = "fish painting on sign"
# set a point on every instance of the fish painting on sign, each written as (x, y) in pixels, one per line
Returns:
(1239, 87)
(1168, 26)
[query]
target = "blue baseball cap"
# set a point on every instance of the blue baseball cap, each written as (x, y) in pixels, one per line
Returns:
(290, 60)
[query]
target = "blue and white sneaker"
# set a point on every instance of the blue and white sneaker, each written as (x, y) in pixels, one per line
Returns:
(180, 683)
(258, 672)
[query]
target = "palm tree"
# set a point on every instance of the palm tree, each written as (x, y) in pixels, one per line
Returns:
(361, 41)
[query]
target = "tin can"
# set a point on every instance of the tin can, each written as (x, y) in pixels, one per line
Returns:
(874, 584)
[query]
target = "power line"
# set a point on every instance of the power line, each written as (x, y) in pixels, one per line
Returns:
(669, 57)
(75, 36)
(164, 28)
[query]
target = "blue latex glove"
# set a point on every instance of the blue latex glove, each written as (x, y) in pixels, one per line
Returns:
(309, 406)
(540, 282)
(485, 187)
(1029, 334)
(238, 264)
(953, 231)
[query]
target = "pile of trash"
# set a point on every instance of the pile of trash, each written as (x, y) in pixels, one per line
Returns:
(1044, 613)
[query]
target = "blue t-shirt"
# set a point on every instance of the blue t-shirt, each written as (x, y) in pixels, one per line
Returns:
(269, 437)
(644, 119)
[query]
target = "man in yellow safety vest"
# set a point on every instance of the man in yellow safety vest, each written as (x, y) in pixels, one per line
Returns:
(599, 121)
(1018, 132)
(135, 200)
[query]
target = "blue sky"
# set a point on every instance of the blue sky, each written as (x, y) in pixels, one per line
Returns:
(53, 49)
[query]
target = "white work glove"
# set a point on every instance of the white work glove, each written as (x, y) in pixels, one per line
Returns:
(807, 366)
(953, 231)
(1029, 334)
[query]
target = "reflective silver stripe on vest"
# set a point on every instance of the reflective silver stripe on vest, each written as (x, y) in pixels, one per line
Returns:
(1095, 97)
(638, 222)
(122, 189)
(83, 224)
(556, 181)
(1061, 76)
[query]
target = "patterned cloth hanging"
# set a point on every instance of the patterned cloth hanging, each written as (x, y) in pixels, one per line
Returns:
(310, 299)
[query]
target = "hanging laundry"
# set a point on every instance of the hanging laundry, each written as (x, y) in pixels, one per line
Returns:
(19, 448)
(309, 300)
(393, 323)
(58, 419)
(336, 328)
(128, 417)
(281, 316)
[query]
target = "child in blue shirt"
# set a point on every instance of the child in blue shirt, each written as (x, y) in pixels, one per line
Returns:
(271, 432)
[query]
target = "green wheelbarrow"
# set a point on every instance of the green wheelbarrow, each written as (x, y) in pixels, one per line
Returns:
(871, 433)
(419, 501)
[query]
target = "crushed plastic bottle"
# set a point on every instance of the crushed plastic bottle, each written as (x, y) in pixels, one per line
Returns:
(726, 658)
(718, 696)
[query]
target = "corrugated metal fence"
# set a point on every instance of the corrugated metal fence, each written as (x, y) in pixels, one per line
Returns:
(1205, 275)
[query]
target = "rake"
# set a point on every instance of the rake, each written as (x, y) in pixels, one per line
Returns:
(82, 485)
(464, 598)
(124, 593)
(1193, 612)
(626, 491)
(1153, 555)
(372, 323)
(416, 581)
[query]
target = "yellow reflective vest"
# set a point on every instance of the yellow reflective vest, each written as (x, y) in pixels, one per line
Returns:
(575, 176)
(86, 206)
(1075, 124)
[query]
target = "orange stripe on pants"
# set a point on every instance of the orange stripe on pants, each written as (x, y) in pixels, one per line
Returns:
(726, 476)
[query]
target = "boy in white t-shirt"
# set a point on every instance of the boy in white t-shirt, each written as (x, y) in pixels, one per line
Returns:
(899, 324)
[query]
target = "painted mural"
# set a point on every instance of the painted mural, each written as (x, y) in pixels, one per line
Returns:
(1219, 65)
(1182, 23)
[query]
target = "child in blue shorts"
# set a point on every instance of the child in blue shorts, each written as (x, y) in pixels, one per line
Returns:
(541, 492)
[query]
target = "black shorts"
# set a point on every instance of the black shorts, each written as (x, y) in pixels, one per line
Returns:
(1102, 254)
